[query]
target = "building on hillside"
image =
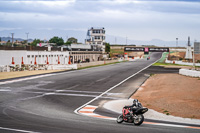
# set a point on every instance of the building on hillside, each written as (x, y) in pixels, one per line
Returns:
(196, 47)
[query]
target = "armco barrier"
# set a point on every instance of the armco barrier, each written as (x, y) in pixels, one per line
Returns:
(192, 73)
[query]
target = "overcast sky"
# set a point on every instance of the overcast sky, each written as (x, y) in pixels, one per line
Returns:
(136, 19)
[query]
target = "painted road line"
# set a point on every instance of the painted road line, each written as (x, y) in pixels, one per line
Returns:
(89, 111)
(17, 130)
(23, 79)
(171, 125)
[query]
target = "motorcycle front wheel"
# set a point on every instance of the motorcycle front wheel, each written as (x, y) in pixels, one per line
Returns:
(120, 119)
(138, 119)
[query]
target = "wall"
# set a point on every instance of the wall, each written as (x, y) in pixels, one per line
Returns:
(192, 73)
(32, 57)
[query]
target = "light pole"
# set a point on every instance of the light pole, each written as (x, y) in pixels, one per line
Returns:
(27, 37)
(12, 38)
(126, 40)
(176, 47)
(193, 57)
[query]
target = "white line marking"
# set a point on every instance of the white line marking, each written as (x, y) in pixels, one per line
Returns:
(76, 111)
(170, 125)
(4, 90)
(17, 130)
(102, 79)
(77, 91)
(34, 77)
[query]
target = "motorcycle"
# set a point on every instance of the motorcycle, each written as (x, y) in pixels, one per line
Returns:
(134, 115)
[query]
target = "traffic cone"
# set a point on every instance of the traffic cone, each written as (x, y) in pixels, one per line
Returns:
(69, 60)
(35, 63)
(13, 61)
(47, 60)
(22, 61)
(58, 60)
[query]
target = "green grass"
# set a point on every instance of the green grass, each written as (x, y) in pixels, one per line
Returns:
(163, 57)
(152, 74)
(165, 64)
(166, 112)
(119, 51)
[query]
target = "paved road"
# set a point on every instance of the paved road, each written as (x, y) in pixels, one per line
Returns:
(46, 104)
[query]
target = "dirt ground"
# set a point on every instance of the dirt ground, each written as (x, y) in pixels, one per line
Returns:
(181, 55)
(171, 94)
(7, 75)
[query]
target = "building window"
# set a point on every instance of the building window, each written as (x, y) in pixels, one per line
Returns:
(96, 31)
(32, 56)
(97, 37)
(28, 56)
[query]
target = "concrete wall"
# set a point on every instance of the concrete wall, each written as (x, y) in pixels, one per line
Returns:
(192, 73)
(7, 57)
(181, 63)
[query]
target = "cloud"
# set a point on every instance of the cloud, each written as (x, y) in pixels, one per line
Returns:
(135, 19)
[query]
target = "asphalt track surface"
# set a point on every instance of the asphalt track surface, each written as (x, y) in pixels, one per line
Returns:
(46, 104)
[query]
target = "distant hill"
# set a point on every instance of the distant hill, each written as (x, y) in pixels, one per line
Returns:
(45, 34)
(18, 39)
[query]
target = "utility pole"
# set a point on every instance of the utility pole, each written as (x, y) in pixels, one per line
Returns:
(12, 38)
(193, 57)
(126, 40)
(27, 37)
(176, 47)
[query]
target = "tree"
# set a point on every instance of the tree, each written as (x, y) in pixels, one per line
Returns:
(68, 43)
(57, 40)
(35, 42)
(107, 47)
(72, 40)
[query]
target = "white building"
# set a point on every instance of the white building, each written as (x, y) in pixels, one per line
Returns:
(95, 36)
(20, 57)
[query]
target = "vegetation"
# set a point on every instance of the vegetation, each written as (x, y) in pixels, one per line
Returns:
(152, 74)
(71, 40)
(166, 112)
(35, 42)
(57, 40)
(107, 47)
(114, 52)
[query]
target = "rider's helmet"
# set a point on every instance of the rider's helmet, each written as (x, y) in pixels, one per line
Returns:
(135, 102)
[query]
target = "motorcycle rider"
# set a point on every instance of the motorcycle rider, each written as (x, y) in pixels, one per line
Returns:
(136, 104)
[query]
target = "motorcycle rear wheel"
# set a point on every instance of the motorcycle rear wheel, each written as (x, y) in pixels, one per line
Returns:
(120, 119)
(138, 120)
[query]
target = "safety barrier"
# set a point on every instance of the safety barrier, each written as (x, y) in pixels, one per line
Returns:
(187, 72)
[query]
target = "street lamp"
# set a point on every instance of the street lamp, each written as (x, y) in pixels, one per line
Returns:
(27, 37)
(176, 47)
